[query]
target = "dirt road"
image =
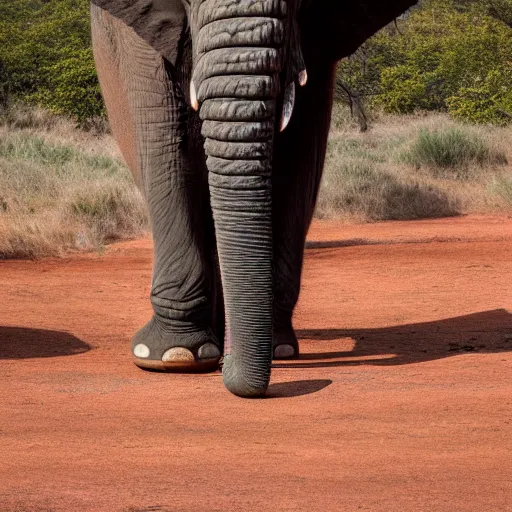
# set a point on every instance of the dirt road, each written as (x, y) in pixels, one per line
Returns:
(402, 400)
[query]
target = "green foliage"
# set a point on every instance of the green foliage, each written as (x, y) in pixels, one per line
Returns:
(489, 101)
(74, 88)
(448, 55)
(451, 152)
(46, 57)
(406, 89)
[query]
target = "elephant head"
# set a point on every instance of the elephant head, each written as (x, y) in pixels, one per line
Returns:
(247, 62)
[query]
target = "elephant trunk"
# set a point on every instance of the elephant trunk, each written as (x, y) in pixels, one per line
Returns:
(237, 81)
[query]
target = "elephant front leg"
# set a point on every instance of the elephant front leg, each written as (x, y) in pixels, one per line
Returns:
(152, 125)
(298, 164)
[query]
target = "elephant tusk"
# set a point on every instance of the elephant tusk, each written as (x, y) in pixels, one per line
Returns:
(193, 96)
(303, 77)
(288, 104)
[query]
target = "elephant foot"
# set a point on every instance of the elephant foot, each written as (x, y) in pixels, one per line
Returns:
(286, 345)
(155, 347)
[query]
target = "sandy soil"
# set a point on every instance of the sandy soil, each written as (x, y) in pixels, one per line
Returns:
(402, 400)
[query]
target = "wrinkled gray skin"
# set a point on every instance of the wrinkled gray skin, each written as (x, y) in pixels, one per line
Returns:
(228, 194)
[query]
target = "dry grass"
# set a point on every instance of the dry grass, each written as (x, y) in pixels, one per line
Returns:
(62, 189)
(502, 186)
(412, 167)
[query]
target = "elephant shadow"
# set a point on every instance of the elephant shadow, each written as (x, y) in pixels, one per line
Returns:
(25, 343)
(484, 332)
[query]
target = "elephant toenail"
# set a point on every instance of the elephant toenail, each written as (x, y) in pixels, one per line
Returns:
(284, 351)
(141, 350)
(178, 355)
(208, 351)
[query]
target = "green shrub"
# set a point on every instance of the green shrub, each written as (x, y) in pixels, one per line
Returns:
(443, 55)
(487, 101)
(73, 89)
(46, 57)
(451, 152)
(405, 90)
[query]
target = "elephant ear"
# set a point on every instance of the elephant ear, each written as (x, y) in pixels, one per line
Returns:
(336, 28)
(159, 22)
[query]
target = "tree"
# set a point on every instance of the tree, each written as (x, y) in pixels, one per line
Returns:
(449, 55)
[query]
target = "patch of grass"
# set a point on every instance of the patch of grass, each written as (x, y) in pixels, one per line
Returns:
(62, 190)
(22, 117)
(359, 190)
(27, 147)
(375, 175)
(110, 211)
(502, 186)
(352, 148)
(452, 152)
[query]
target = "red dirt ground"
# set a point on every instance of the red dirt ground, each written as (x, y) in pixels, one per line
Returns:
(402, 400)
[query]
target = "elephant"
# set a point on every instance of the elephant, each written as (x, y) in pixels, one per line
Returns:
(221, 109)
